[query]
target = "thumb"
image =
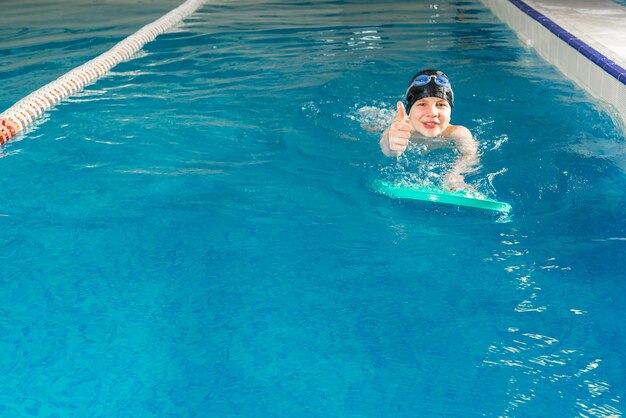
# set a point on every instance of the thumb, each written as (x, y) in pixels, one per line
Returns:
(401, 117)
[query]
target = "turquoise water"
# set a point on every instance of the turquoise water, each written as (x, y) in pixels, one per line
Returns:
(194, 234)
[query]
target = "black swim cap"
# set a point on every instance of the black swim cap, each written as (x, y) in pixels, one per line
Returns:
(437, 85)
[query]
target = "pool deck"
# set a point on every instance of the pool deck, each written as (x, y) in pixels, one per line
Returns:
(585, 39)
(601, 24)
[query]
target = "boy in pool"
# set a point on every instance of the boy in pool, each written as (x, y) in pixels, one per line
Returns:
(429, 101)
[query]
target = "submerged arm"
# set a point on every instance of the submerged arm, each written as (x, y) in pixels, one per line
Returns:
(466, 162)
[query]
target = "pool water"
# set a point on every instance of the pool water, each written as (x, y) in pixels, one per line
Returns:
(195, 234)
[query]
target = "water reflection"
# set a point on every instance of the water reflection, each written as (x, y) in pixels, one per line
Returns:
(544, 360)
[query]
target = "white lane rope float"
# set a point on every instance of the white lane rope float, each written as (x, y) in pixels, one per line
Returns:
(24, 112)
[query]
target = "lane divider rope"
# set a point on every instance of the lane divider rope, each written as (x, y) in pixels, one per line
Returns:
(24, 112)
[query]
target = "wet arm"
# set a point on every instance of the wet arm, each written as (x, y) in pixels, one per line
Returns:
(466, 162)
(384, 145)
(394, 140)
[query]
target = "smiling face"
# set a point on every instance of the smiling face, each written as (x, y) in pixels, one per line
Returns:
(430, 116)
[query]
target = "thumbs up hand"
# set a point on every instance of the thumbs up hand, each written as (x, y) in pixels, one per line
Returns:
(396, 138)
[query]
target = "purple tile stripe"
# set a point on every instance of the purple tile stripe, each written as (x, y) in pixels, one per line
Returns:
(596, 57)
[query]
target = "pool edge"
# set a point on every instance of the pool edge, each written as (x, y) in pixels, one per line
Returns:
(593, 71)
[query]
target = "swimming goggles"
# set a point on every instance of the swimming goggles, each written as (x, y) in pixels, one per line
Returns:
(423, 79)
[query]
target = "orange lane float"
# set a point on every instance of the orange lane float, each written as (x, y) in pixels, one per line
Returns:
(25, 111)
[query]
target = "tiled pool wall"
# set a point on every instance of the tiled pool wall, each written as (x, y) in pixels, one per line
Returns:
(596, 73)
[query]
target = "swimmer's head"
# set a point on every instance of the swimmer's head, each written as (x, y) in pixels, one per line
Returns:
(429, 83)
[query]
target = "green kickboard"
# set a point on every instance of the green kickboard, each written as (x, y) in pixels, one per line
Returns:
(438, 195)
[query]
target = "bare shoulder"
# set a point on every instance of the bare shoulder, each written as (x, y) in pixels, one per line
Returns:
(463, 139)
(459, 132)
